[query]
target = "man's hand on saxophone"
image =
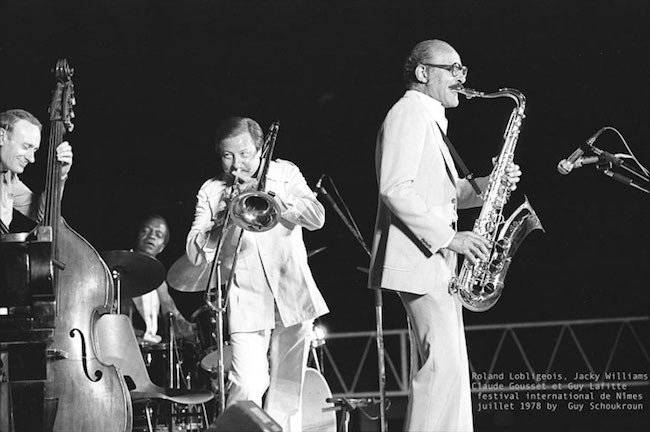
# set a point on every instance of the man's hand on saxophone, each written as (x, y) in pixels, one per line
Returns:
(513, 175)
(470, 244)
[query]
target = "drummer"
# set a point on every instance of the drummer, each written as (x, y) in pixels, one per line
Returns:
(153, 236)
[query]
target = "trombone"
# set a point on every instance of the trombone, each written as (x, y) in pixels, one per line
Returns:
(255, 211)
(258, 211)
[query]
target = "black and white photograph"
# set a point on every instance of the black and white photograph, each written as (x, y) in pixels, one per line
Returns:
(324, 216)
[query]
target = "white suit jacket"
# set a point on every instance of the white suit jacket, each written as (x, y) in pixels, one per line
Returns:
(272, 266)
(419, 192)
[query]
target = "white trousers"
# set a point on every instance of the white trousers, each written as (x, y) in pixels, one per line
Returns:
(281, 370)
(439, 395)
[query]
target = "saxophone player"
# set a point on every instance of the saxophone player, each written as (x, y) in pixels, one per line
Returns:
(416, 243)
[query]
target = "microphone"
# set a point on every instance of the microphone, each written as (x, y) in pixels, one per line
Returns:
(318, 188)
(586, 160)
(603, 156)
(565, 166)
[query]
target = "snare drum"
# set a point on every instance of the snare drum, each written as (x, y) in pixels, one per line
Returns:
(206, 322)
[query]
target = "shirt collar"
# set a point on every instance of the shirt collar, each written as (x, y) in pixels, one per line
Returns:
(435, 108)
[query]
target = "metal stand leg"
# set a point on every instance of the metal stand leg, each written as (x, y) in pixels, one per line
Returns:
(206, 421)
(381, 361)
(148, 416)
(345, 421)
(6, 411)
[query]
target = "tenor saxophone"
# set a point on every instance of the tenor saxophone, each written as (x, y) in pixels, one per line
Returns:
(480, 286)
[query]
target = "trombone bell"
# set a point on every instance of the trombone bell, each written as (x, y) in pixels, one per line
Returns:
(255, 211)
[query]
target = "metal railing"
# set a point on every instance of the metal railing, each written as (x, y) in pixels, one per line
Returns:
(349, 360)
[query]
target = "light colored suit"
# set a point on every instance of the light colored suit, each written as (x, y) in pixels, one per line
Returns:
(273, 300)
(419, 192)
(272, 266)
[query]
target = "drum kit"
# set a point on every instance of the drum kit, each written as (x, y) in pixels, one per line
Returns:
(136, 274)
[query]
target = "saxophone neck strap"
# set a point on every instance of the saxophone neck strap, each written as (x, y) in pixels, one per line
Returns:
(459, 162)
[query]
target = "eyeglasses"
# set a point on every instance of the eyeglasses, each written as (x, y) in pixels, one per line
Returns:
(455, 68)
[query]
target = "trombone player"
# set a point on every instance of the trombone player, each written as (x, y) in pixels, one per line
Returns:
(273, 298)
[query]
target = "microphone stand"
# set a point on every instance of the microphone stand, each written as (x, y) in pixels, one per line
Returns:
(347, 405)
(381, 362)
(219, 308)
(605, 169)
(612, 160)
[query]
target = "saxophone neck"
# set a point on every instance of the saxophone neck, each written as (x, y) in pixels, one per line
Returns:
(467, 92)
(512, 93)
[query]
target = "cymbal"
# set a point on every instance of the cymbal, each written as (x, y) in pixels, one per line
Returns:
(186, 277)
(139, 273)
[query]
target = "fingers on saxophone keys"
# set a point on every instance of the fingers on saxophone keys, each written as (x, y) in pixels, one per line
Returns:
(514, 175)
(478, 248)
(480, 252)
(480, 240)
(471, 258)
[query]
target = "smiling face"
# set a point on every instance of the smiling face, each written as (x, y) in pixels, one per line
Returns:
(17, 147)
(437, 82)
(152, 237)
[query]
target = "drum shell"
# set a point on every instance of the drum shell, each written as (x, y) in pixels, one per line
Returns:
(206, 322)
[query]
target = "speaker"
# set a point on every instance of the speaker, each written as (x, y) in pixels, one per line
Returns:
(244, 416)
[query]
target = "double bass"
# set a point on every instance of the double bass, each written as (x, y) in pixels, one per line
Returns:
(81, 393)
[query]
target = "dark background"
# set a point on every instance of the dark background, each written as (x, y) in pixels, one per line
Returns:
(153, 78)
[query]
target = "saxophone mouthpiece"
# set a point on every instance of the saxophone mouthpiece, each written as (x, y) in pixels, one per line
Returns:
(467, 92)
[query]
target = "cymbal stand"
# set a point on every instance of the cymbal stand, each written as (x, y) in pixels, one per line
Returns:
(116, 273)
(381, 361)
(171, 369)
(186, 413)
(315, 348)
(174, 379)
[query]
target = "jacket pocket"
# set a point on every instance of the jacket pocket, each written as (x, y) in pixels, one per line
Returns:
(401, 253)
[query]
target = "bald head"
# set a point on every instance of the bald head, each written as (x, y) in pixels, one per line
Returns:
(428, 51)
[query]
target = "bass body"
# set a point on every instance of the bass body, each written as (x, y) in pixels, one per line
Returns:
(82, 394)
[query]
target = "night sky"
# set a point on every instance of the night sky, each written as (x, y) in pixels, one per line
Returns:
(153, 78)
